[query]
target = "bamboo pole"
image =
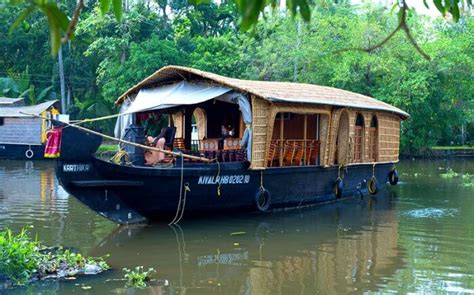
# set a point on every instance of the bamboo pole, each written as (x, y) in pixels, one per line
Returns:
(126, 141)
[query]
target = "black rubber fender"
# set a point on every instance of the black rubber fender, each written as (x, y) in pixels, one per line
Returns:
(338, 186)
(372, 185)
(393, 177)
(263, 199)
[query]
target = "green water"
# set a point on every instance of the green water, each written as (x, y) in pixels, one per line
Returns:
(415, 237)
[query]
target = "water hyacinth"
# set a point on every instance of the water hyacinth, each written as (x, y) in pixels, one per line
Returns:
(137, 278)
(24, 260)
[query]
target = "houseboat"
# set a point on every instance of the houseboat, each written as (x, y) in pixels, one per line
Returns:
(23, 136)
(261, 146)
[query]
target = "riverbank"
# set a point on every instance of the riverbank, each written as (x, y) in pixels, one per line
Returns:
(439, 152)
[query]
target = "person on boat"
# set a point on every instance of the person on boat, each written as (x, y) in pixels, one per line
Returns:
(153, 157)
(163, 139)
(226, 131)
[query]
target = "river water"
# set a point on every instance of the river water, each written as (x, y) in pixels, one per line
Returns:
(415, 237)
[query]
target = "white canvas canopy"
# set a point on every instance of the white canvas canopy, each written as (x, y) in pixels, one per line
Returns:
(171, 95)
(185, 93)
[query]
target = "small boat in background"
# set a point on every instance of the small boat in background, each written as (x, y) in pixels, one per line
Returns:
(23, 136)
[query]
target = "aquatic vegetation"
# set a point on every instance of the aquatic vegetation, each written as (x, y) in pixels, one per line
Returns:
(23, 260)
(137, 278)
(19, 256)
(468, 180)
(449, 174)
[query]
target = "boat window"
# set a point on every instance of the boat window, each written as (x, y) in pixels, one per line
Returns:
(2, 121)
(284, 116)
(359, 139)
(373, 139)
(295, 140)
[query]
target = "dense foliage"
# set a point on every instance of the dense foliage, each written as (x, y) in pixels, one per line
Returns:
(108, 56)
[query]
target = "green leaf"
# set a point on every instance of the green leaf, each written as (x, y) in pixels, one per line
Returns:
(426, 4)
(23, 15)
(395, 5)
(61, 17)
(104, 6)
(400, 15)
(117, 9)
(54, 33)
(197, 2)
(43, 93)
(305, 11)
(439, 6)
(250, 10)
(455, 12)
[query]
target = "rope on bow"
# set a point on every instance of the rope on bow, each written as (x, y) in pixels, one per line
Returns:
(262, 188)
(182, 197)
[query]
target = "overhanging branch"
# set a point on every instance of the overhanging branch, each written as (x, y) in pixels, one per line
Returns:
(402, 25)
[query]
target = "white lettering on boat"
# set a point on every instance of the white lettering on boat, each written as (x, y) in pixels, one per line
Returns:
(224, 179)
(2, 147)
(76, 167)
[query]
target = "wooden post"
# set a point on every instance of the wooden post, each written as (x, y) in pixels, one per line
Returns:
(305, 130)
(188, 115)
(281, 138)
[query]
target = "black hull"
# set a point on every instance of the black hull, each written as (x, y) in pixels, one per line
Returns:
(19, 152)
(131, 194)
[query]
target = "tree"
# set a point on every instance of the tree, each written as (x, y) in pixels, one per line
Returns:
(250, 12)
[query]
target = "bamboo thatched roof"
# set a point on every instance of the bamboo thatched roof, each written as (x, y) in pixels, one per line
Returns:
(268, 90)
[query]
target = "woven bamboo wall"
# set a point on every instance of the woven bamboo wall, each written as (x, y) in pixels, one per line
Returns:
(260, 132)
(323, 136)
(389, 137)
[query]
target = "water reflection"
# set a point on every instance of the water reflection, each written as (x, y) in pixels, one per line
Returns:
(32, 198)
(332, 249)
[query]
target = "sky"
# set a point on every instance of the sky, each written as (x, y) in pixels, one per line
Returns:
(416, 4)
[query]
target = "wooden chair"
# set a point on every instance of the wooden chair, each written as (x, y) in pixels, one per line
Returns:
(313, 153)
(298, 153)
(271, 153)
(179, 144)
(231, 143)
(210, 144)
(288, 152)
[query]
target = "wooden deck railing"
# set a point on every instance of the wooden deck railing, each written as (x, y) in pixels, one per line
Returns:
(293, 152)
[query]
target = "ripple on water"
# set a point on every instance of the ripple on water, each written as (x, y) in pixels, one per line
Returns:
(431, 213)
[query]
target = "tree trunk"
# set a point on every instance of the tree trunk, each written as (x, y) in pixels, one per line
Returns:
(298, 45)
(61, 80)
